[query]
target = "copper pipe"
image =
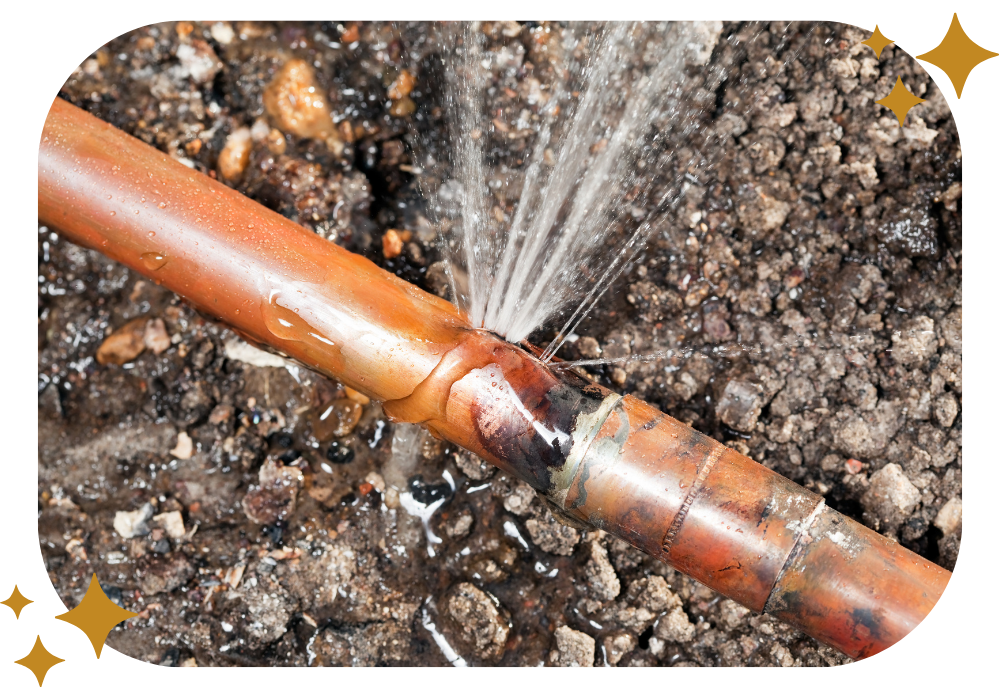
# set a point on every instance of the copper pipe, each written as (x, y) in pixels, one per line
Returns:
(612, 462)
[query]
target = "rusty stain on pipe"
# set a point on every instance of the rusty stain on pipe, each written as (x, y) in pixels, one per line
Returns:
(610, 461)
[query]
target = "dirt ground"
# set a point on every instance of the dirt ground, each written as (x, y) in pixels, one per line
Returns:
(811, 271)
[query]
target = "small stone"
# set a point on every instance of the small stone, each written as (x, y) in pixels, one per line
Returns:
(199, 61)
(402, 108)
(155, 336)
(950, 329)
(391, 498)
(657, 647)
(163, 573)
(268, 613)
(519, 499)
(600, 575)
(914, 342)
(481, 622)
(459, 525)
(675, 627)
(376, 480)
(402, 85)
(171, 522)
(890, 498)
(274, 498)
(740, 405)
(656, 595)
(392, 244)
(573, 649)
(235, 155)
(296, 103)
(184, 448)
(949, 518)
(220, 414)
(133, 523)
(223, 32)
(124, 345)
(617, 644)
(471, 465)
(866, 435)
(337, 419)
(276, 143)
(552, 536)
(946, 409)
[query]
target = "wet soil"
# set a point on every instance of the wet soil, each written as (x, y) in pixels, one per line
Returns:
(809, 274)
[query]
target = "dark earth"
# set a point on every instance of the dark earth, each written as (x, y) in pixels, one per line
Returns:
(809, 275)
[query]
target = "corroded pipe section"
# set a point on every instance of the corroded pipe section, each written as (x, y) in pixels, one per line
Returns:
(613, 462)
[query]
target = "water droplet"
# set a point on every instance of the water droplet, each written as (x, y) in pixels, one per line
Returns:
(162, 205)
(152, 233)
(153, 261)
(113, 213)
(286, 323)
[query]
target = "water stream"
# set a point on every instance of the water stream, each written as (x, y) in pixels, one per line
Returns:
(537, 244)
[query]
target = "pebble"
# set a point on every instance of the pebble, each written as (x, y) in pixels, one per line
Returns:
(235, 155)
(740, 405)
(675, 627)
(600, 575)
(296, 103)
(471, 465)
(481, 621)
(914, 342)
(336, 419)
(519, 499)
(552, 536)
(184, 448)
(392, 244)
(949, 518)
(223, 32)
(199, 61)
(890, 498)
(274, 497)
(402, 85)
(155, 336)
(124, 345)
(946, 409)
(172, 523)
(133, 523)
(573, 649)
(163, 573)
(617, 644)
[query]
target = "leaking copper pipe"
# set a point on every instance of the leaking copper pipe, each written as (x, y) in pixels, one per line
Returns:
(612, 462)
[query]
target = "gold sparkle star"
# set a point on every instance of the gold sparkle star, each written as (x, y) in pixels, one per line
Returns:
(95, 615)
(877, 41)
(39, 660)
(957, 55)
(16, 602)
(900, 100)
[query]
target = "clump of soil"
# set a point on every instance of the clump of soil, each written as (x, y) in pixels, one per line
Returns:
(259, 514)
